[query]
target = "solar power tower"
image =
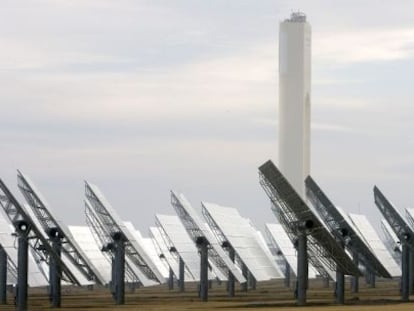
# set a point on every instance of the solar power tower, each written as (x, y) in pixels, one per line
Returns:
(207, 244)
(303, 228)
(404, 233)
(123, 244)
(280, 240)
(368, 233)
(29, 234)
(103, 239)
(346, 234)
(236, 234)
(391, 241)
(59, 237)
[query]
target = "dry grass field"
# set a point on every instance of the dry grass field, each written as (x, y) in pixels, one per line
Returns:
(267, 296)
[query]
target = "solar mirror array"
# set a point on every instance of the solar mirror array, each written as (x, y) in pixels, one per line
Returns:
(319, 240)
(302, 224)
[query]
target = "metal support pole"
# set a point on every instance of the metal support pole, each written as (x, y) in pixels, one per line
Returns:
(405, 258)
(355, 278)
(55, 271)
(231, 279)
(119, 242)
(326, 282)
(3, 276)
(113, 277)
(340, 282)
(372, 279)
(252, 281)
(171, 279)
(245, 272)
(203, 247)
(22, 266)
(340, 287)
(181, 275)
(302, 269)
(287, 274)
(411, 274)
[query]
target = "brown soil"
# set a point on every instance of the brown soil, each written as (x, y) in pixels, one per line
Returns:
(267, 296)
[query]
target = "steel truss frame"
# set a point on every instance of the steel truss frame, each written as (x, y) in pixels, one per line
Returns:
(170, 245)
(180, 205)
(112, 227)
(342, 229)
(69, 246)
(40, 245)
(293, 214)
(103, 238)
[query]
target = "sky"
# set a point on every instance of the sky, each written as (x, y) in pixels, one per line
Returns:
(141, 97)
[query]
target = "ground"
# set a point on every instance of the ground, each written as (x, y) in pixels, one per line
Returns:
(267, 296)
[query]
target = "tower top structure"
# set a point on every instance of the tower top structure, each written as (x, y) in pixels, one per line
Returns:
(297, 17)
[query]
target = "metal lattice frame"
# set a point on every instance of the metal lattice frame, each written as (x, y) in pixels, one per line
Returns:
(342, 229)
(102, 238)
(41, 247)
(195, 232)
(395, 220)
(170, 246)
(219, 234)
(11, 266)
(159, 251)
(112, 227)
(48, 222)
(291, 211)
(393, 246)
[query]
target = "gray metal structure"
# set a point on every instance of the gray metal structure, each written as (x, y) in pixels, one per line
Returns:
(391, 241)
(29, 234)
(196, 228)
(231, 228)
(57, 231)
(375, 243)
(208, 246)
(403, 231)
(164, 253)
(344, 232)
(279, 239)
(180, 245)
(113, 225)
(303, 228)
(104, 240)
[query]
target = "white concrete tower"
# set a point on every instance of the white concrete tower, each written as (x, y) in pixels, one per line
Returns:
(294, 100)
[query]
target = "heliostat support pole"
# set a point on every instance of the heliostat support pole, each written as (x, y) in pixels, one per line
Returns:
(355, 278)
(245, 272)
(171, 279)
(3, 276)
(405, 258)
(22, 266)
(55, 271)
(287, 274)
(119, 243)
(411, 274)
(340, 287)
(302, 269)
(202, 245)
(182, 275)
(231, 280)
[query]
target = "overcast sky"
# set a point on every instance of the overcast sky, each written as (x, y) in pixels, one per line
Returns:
(140, 97)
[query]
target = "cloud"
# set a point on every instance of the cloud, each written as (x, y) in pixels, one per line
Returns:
(344, 47)
(330, 127)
